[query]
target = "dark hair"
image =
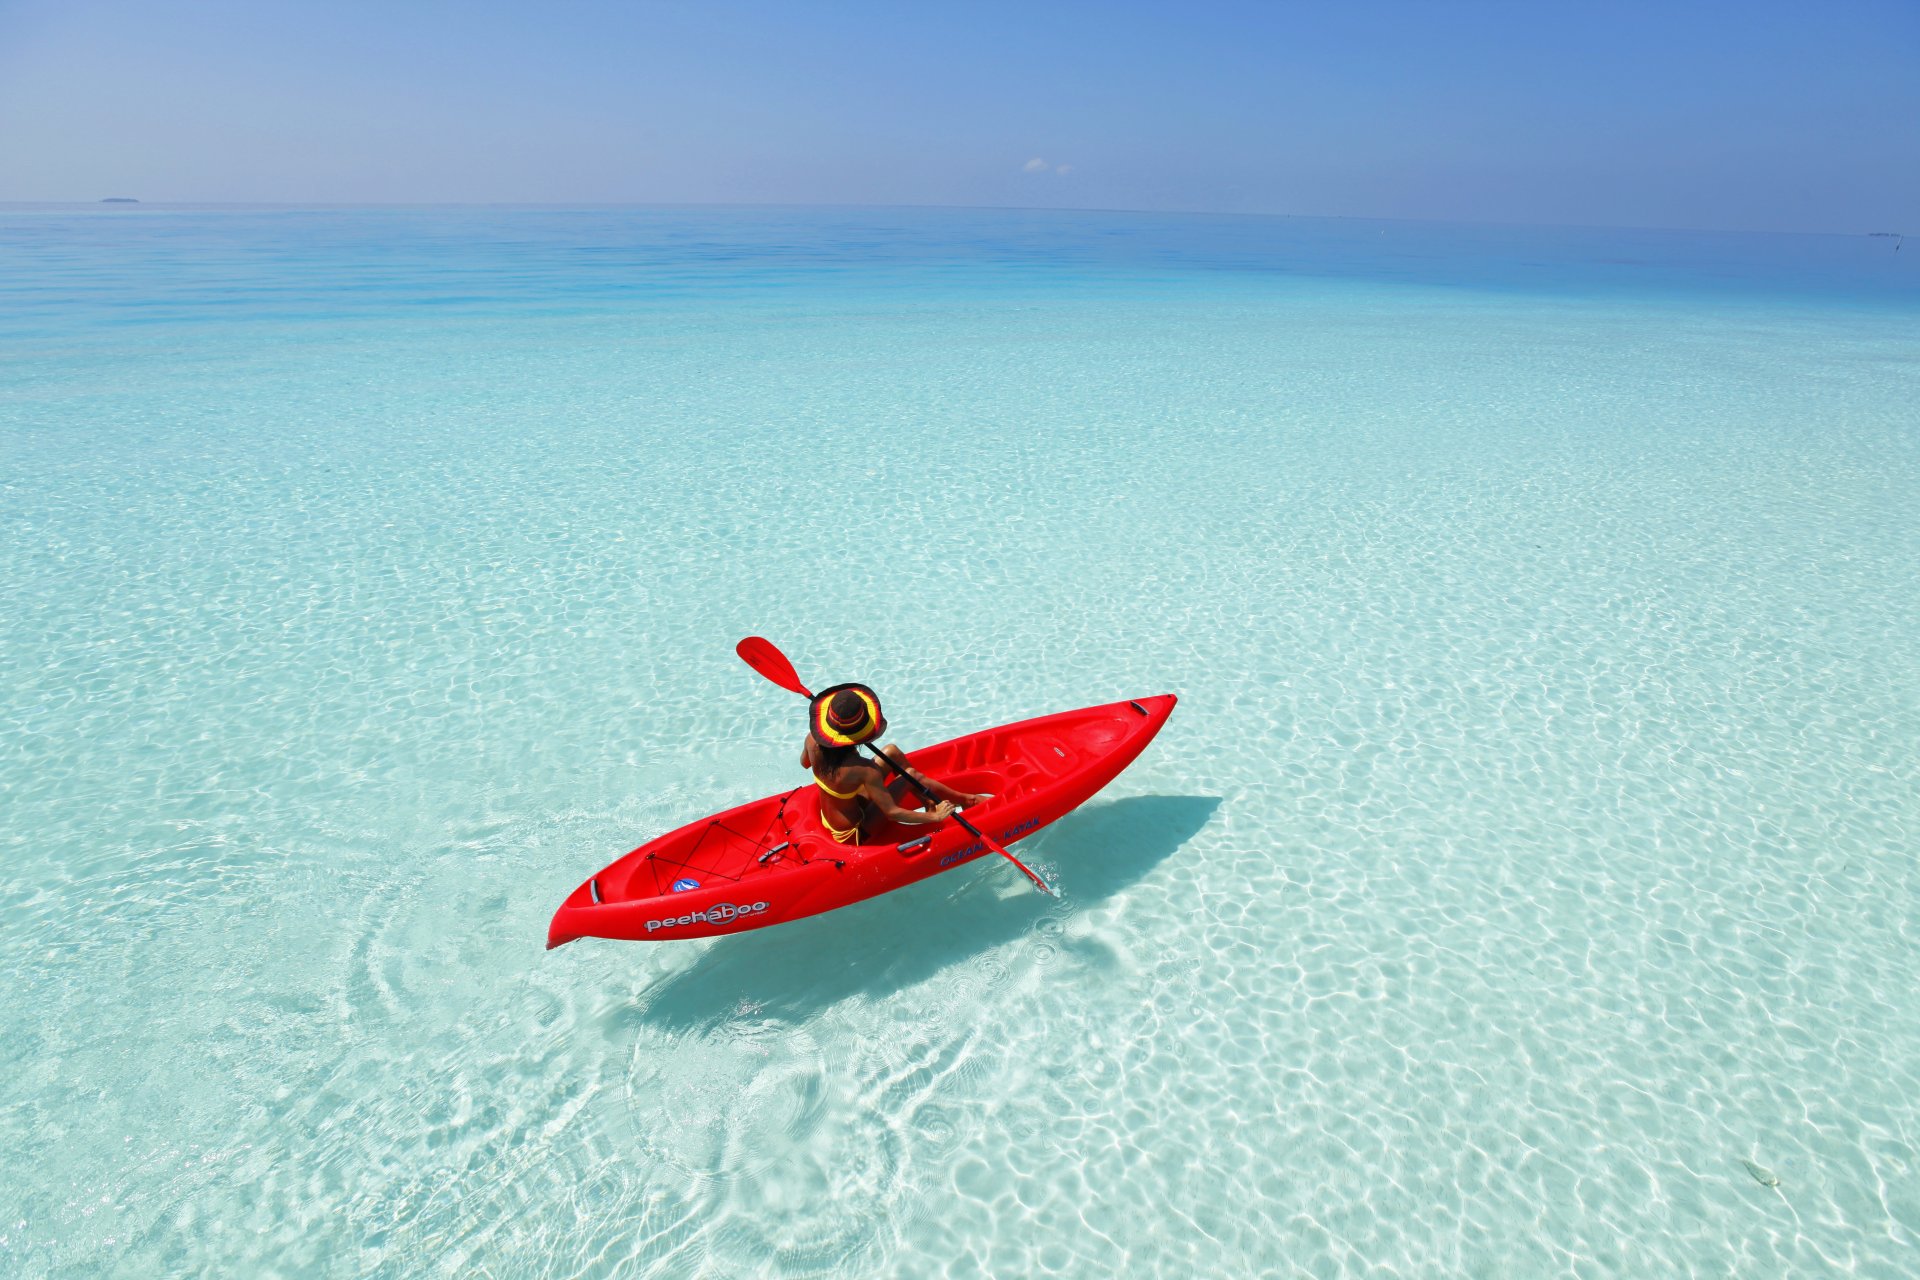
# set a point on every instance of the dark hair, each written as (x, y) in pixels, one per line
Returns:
(828, 757)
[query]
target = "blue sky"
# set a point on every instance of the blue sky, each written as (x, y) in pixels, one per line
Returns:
(1763, 115)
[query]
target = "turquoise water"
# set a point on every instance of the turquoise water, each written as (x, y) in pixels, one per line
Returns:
(1525, 882)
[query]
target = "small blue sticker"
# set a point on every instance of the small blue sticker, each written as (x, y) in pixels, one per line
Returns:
(681, 886)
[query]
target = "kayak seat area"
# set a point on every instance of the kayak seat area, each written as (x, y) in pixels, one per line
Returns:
(737, 844)
(993, 781)
(1003, 783)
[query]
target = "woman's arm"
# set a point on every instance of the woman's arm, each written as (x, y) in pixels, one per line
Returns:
(882, 800)
(941, 791)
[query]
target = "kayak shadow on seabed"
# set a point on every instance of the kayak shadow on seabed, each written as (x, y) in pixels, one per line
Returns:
(891, 942)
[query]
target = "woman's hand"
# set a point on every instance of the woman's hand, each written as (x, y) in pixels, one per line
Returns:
(940, 812)
(967, 802)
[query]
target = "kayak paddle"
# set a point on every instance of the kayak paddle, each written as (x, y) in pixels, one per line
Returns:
(763, 656)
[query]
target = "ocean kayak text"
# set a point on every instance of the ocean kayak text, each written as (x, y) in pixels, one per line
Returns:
(977, 848)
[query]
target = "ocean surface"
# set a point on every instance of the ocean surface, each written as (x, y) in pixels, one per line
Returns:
(1525, 886)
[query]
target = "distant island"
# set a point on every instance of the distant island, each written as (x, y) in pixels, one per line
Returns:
(1893, 234)
(119, 200)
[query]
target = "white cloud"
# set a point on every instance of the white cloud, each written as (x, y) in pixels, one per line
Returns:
(1034, 165)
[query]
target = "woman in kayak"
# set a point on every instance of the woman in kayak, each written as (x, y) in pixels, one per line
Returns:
(856, 795)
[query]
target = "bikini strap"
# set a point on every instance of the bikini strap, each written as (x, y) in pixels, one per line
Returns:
(837, 795)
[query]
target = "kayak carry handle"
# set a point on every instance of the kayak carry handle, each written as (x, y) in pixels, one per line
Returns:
(912, 847)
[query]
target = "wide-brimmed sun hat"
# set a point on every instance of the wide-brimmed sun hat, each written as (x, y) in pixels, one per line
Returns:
(844, 716)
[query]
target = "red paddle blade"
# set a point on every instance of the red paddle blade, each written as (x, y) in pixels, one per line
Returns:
(1038, 883)
(762, 656)
(996, 846)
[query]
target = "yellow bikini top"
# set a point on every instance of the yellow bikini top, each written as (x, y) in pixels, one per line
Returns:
(837, 795)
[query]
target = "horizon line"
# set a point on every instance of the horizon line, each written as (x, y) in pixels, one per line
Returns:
(559, 206)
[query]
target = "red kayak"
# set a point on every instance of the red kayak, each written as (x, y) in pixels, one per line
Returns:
(771, 861)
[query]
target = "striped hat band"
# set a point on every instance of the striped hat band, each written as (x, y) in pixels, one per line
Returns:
(845, 715)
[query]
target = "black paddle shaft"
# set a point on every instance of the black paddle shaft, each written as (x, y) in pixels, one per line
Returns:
(882, 758)
(763, 656)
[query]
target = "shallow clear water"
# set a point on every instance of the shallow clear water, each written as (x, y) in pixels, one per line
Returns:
(1526, 879)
